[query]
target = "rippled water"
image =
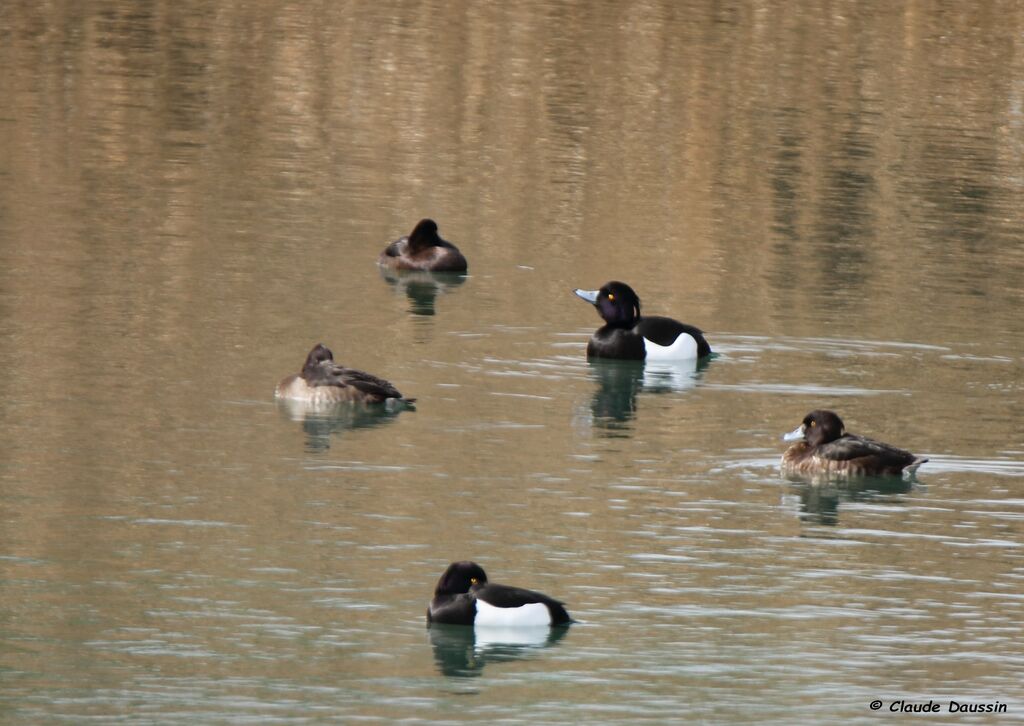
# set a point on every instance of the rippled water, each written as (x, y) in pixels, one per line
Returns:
(191, 197)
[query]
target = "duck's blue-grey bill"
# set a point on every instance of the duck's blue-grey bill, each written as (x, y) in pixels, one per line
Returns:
(794, 435)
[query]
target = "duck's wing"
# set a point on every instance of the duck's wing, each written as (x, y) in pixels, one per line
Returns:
(365, 382)
(664, 331)
(330, 373)
(324, 374)
(505, 596)
(850, 446)
(396, 248)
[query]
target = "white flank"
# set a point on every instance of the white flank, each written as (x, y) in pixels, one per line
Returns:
(683, 348)
(530, 615)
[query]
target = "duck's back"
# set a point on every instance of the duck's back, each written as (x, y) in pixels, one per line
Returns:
(851, 454)
(327, 384)
(506, 597)
(677, 340)
(373, 389)
(296, 388)
(441, 256)
(651, 338)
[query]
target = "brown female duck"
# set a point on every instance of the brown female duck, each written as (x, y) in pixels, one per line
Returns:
(823, 447)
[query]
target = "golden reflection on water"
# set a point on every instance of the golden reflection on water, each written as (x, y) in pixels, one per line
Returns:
(191, 196)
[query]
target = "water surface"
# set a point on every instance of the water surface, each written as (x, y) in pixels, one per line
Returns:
(192, 196)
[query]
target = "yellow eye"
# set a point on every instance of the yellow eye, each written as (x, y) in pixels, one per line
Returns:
(472, 581)
(610, 296)
(813, 424)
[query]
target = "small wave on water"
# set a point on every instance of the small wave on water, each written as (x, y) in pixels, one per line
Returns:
(804, 389)
(729, 344)
(1000, 467)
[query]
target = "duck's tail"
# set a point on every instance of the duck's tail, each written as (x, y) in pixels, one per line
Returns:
(912, 467)
(400, 404)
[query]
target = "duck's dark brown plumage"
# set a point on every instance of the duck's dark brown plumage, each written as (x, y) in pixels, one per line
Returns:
(825, 448)
(322, 381)
(424, 250)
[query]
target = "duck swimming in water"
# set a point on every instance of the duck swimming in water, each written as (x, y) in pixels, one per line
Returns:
(628, 336)
(322, 381)
(424, 250)
(823, 447)
(463, 596)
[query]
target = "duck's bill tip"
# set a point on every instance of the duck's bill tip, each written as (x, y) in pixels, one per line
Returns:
(796, 434)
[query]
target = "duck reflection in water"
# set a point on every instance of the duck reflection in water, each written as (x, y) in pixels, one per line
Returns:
(463, 652)
(422, 288)
(320, 422)
(614, 404)
(821, 496)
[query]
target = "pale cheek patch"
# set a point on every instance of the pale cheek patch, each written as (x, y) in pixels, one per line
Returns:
(532, 614)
